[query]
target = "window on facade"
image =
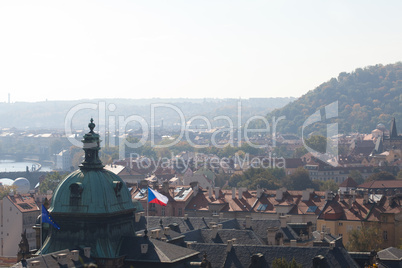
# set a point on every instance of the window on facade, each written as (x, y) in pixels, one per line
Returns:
(385, 235)
(340, 224)
(173, 212)
(340, 234)
(163, 211)
(180, 211)
(384, 219)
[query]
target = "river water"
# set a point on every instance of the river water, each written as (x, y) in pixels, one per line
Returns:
(12, 166)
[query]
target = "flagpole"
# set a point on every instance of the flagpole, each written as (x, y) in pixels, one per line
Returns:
(40, 234)
(146, 225)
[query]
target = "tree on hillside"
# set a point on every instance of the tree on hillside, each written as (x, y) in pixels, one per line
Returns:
(252, 178)
(365, 239)
(299, 180)
(317, 143)
(221, 179)
(399, 176)
(299, 152)
(329, 185)
(381, 176)
(50, 182)
(365, 98)
(356, 176)
(6, 189)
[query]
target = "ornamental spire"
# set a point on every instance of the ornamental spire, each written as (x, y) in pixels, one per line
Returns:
(393, 133)
(91, 146)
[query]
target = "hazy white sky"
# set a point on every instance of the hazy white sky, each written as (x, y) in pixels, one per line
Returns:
(59, 50)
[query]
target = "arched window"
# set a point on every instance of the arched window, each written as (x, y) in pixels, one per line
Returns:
(75, 193)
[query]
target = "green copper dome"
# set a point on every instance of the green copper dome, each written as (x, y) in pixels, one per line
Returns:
(92, 189)
(91, 192)
(93, 208)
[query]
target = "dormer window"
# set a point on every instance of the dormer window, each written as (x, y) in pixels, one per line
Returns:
(75, 193)
(117, 187)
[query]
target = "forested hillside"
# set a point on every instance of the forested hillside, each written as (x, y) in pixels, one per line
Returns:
(365, 98)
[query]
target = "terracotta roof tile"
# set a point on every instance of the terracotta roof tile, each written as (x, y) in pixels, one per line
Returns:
(24, 203)
(349, 182)
(382, 184)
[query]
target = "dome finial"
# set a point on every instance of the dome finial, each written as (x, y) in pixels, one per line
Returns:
(91, 125)
(91, 147)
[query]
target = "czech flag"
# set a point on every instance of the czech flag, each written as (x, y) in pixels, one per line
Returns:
(157, 198)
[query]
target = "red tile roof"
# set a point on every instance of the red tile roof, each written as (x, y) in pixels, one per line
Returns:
(267, 203)
(349, 182)
(291, 198)
(24, 203)
(382, 184)
(358, 210)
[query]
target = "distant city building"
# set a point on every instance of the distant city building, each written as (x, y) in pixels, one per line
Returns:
(63, 160)
(347, 212)
(18, 214)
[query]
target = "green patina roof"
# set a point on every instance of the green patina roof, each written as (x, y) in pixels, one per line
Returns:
(99, 194)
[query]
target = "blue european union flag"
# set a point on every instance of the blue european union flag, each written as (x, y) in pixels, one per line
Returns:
(47, 218)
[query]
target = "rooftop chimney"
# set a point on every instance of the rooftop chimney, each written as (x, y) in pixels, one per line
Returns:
(75, 255)
(212, 223)
(259, 192)
(166, 231)
(328, 195)
(217, 192)
(165, 186)
(189, 244)
(157, 233)
(138, 216)
(214, 232)
(248, 222)
(62, 258)
(35, 263)
(234, 193)
(229, 246)
(306, 194)
(365, 198)
(240, 193)
(210, 192)
(284, 221)
(279, 193)
(194, 186)
(87, 252)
